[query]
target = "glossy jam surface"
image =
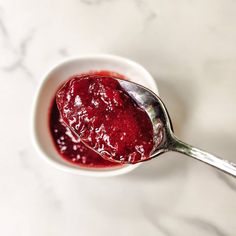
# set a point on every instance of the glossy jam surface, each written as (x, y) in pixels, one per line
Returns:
(98, 110)
(69, 146)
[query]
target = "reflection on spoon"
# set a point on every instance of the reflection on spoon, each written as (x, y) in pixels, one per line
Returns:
(162, 127)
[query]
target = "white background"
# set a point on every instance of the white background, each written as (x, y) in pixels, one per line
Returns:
(190, 49)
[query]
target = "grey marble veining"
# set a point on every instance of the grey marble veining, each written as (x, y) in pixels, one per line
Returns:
(145, 8)
(63, 52)
(18, 53)
(21, 53)
(207, 226)
(2, 25)
(95, 2)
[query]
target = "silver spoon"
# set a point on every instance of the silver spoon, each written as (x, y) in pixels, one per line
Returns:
(164, 138)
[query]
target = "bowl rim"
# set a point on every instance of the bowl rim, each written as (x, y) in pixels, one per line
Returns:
(60, 166)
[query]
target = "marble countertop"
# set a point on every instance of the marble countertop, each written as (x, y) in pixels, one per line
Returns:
(190, 49)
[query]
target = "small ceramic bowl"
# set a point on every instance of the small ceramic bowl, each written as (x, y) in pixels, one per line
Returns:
(53, 79)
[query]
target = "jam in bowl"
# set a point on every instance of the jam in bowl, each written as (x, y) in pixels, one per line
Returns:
(54, 141)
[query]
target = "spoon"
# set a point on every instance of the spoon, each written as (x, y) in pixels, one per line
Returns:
(164, 138)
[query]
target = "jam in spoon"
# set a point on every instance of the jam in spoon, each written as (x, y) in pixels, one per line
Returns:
(163, 129)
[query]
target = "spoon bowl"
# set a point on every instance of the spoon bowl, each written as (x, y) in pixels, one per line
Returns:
(164, 138)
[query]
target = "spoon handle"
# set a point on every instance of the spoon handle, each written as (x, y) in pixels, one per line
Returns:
(184, 148)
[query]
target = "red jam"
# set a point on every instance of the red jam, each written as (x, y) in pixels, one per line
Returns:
(70, 147)
(99, 111)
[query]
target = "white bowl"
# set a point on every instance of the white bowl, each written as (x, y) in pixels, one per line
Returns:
(50, 82)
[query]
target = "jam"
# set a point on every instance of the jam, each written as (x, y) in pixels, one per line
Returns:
(98, 111)
(70, 147)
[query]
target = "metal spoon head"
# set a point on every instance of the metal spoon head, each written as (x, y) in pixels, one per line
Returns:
(157, 112)
(164, 137)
